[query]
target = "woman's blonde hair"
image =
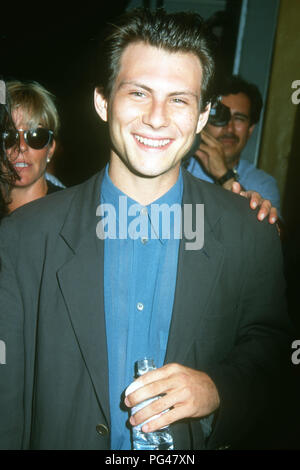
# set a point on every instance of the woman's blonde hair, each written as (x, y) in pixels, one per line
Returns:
(36, 103)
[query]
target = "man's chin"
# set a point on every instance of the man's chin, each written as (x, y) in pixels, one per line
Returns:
(151, 170)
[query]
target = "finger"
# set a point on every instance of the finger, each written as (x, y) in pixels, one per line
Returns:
(160, 373)
(209, 138)
(166, 410)
(204, 148)
(203, 157)
(255, 198)
(184, 406)
(264, 210)
(212, 145)
(160, 405)
(152, 384)
(236, 187)
(204, 135)
(273, 217)
(201, 151)
(165, 419)
(146, 392)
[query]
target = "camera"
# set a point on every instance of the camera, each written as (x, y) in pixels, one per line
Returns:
(219, 114)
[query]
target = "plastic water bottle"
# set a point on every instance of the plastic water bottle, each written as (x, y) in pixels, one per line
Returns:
(158, 440)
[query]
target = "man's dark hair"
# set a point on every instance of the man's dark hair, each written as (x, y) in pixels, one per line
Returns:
(174, 32)
(236, 84)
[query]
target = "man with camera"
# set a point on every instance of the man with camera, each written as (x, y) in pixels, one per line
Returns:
(231, 123)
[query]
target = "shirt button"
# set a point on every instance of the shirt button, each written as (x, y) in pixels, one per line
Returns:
(144, 240)
(140, 306)
(102, 429)
(144, 211)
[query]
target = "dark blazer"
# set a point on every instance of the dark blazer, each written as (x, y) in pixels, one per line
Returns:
(228, 319)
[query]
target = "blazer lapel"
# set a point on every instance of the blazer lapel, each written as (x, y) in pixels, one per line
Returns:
(197, 274)
(81, 283)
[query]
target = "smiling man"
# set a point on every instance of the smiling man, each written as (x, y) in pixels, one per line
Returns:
(77, 311)
(154, 115)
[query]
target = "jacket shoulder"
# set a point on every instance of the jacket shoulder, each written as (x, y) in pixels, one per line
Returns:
(228, 211)
(215, 197)
(49, 212)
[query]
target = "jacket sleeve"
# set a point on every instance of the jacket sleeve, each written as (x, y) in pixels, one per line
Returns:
(246, 378)
(11, 335)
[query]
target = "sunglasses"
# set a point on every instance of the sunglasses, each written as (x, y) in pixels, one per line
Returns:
(36, 138)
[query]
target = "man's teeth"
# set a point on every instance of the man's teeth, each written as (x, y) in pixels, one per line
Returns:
(21, 165)
(151, 142)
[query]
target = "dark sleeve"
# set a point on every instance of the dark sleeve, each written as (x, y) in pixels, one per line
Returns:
(246, 378)
(12, 364)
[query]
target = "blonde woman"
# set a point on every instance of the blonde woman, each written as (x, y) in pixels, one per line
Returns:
(31, 145)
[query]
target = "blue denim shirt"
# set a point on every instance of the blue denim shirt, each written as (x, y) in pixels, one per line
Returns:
(250, 177)
(139, 286)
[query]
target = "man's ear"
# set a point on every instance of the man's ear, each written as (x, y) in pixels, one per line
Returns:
(250, 130)
(100, 104)
(203, 117)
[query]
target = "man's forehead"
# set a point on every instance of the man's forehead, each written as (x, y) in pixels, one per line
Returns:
(238, 102)
(141, 60)
(144, 51)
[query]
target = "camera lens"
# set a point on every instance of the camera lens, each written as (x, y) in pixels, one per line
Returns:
(219, 115)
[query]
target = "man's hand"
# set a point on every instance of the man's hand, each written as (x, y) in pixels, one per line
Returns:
(212, 157)
(185, 392)
(211, 154)
(266, 208)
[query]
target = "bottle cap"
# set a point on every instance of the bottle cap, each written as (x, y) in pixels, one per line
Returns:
(144, 365)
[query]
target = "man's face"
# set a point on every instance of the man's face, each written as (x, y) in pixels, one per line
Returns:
(235, 135)
(153, 111)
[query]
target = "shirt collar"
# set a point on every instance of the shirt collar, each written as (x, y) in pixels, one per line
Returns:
(111, 194)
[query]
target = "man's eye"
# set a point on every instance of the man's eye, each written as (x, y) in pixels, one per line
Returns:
(240, 118)
(179, 101)
(138, 94)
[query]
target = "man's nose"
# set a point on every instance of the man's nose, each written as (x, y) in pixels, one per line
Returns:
(156, 115)
(230, 125)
